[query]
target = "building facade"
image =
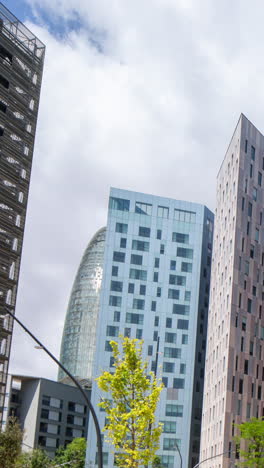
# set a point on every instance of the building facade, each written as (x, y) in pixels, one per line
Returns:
(51, 413)
(78, 341)
(21, 64)
(234, 372)
(155, 286)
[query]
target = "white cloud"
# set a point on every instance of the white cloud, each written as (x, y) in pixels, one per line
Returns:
(152, 113)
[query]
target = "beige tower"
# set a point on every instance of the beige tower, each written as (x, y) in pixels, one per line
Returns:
(234, 373)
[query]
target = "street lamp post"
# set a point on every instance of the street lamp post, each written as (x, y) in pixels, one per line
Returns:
(89, 404)
(214, 456)
(179, 452)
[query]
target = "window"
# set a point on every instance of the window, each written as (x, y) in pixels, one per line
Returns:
(251, 170)
(253, 151)
(111, 361)
(173, 294)
(139, 333)
(138, 274)
(165, 381)
(105, 458)
(150, 350)
(169, 427)
(181, 309)
(114, 270)
(255, 194)
(131, 288)
(178, 383)
(127, 332)
(153, 306)
(123, 243)
(243, 203)
(177, 280)
(140, 245)
(162, 248)
(136, 259)
(112, 331)
(3, 106)
(185, 216)
(159, 233)
(249, 209)
(259, 179)
(186, 267)
(137, 319)
(174, 410)
(155, 276)
(173, 265)
(108, 347)
(181, 238)
(252, 251)
(183, 324)
(183, 369)
(119, 257)
(170, 337)
(167, 461)
(163, 212)
(116, 286)
(143, 208)
(144, 231)
(4, 82)
(172, 352)
(115, 301)
(157, 262)
(168, 367)
(168, 322)
(142, 290)
(246, 145)
(240, 387)
(184, 339)
(156, 321)
(116, 316)
(158, 291)
(121, 227)
(187, 296)
(118, 204)
(138, 304)
(249, 305)
(184, 253)
(170, 444)
(246, 267)
(256, 234)
(155, 336)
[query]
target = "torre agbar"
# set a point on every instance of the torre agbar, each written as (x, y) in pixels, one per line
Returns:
(234, 372)
(21, 64)
(78, 341)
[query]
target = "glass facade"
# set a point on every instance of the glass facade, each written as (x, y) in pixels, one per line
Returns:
(78, 341)
(157, 288)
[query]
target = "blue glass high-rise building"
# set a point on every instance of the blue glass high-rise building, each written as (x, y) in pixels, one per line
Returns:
(155, 286)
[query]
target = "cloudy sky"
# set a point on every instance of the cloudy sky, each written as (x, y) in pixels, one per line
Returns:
(137, 94)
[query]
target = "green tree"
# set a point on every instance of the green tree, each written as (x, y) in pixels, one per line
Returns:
(134, 397)
(251, 443)
(10, 443)
(37, 458)
(74, 453)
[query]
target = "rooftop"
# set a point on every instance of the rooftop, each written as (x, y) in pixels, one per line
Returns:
(19, 33)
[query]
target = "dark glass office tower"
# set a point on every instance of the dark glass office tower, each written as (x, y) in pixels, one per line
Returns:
(21, 65)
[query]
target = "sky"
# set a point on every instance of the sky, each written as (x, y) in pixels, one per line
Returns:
(142, 95)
